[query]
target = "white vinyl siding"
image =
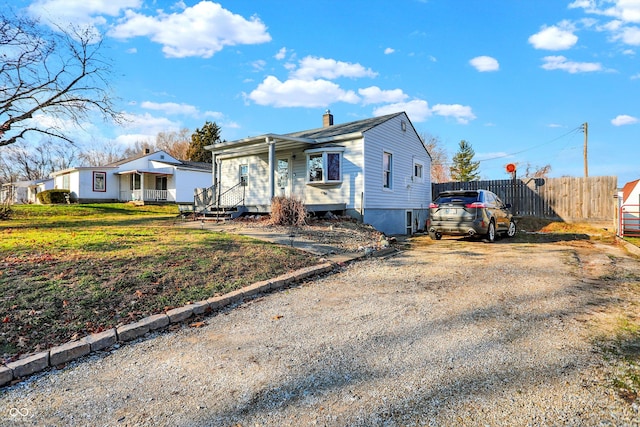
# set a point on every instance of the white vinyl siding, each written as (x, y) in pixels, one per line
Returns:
(407, 150)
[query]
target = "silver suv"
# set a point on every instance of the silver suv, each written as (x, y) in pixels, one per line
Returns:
(470, 213)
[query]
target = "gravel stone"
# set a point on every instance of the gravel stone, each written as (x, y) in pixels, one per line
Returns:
(455, 332)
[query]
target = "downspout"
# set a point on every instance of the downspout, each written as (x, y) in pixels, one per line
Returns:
(272, 167)
(216, 180)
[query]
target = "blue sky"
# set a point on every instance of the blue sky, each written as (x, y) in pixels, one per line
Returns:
(517, 79)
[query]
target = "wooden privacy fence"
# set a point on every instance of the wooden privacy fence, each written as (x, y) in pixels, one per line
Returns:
(567, 199)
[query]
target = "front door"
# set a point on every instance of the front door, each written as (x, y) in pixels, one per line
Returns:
(283, 180)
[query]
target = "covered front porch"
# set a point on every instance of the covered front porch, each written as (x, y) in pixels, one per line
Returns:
(146, 186)
(280, 151)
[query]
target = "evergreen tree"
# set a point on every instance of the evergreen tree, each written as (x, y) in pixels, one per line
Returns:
(208, 135)
(464, 169)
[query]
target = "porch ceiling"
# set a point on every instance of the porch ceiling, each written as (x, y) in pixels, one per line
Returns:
(258, 145)
(142, 171)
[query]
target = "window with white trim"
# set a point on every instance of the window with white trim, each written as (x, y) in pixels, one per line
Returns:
(417, 171)
(66, 181)
(244, 175)
(324, 165)
(387, 168)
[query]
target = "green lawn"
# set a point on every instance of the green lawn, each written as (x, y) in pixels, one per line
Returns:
(72, 270)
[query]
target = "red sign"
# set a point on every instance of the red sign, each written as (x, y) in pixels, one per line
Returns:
(511, 168)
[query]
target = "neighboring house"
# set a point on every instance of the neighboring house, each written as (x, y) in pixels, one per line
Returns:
(629, 209)
(376, 170)
(23, 192)
(150, 177)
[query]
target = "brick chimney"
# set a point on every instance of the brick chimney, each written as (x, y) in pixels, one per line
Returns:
(327, 119)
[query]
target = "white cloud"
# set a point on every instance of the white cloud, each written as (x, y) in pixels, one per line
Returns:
(418, 110)
(170, 108)
(461, 113)
(561, 63)
(389, 51)
(556, 37)
(282, 53)
(259, 64)
(312, 67)
(629, 35)
(586, 4)
(80, 13)
(635, 76)
(624, 119)
(485, 63)
(144, 127)
(625, 10)
(201, 30)
(375, 95)
(300, 93)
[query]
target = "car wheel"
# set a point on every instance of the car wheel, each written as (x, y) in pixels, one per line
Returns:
(491, 232)
(512, 229)
(435, 235)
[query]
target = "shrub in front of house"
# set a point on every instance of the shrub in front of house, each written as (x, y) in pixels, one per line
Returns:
(5, 211)
(288, 211)
(49, 197)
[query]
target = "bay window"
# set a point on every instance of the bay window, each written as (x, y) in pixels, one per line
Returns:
(324, 165)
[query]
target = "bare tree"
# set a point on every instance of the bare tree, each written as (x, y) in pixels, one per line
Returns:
(100, 155)
(439, 158)
(138, 148)
(19, 162)
(175, 143)
(58, 75)
(537, 171)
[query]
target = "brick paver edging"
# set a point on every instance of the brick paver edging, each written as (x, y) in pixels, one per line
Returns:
(57, 356)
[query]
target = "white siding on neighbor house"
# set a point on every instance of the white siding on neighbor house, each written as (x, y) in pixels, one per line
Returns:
(182, 184)
(630, 208)
(85, 185)
(406, 148)
(147, 162)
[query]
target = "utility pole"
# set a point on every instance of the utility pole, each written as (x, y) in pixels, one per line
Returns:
(585, 129)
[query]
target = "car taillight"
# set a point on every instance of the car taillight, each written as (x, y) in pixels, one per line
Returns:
(475, 205)
(433, 206)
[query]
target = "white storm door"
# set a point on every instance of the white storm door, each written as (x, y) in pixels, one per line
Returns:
(283, 178)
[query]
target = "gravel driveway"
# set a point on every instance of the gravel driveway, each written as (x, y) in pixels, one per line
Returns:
(454, 332)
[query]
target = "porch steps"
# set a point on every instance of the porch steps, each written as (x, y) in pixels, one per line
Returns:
(220, 214)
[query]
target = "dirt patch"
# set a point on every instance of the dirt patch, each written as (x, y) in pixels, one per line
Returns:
(341, 232)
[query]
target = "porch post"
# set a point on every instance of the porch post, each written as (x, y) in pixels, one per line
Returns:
(214, 177)
(272, 167)
(217, 189)
(142, 186)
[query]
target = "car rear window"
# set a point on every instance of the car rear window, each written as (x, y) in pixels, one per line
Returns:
(460, 198)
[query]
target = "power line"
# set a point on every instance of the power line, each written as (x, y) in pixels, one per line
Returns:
(575, 130)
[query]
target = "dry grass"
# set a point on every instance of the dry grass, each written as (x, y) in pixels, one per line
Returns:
(72, 270)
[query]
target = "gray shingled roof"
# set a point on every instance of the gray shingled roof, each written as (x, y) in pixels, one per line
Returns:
(197, 165)
(342, 129)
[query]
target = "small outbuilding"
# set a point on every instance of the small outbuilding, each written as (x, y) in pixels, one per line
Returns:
(629, 209)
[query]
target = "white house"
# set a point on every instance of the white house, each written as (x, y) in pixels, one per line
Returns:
(22, 192)
(376, 170)
(150, 177)
(629, 209)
